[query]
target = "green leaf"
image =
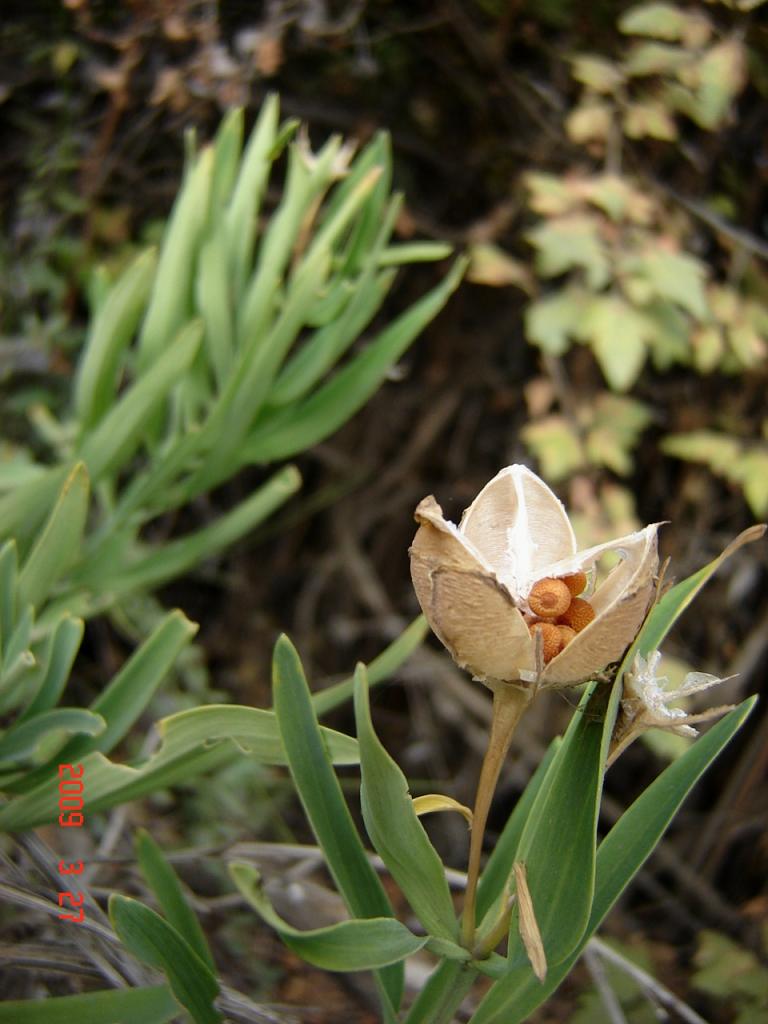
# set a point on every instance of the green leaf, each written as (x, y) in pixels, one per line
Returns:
(677, 276)
(618, 335)
(395, 829)
(323, 800)
(23, 509)
(164, 883)
(718, 451)
(656, 59)
(153, 941)
(442, 994)
(558, 841)
(620, 856)
(120, 432)
(556, 444)
(241, 219)
(135, 684)
(8, 582)
(617, 423)
(24, 740)
(650, 119)
(227, 148)
(212, 295)
(492, 266)
(191, 742)
(293, 429)
(659, 20)
(176, 557)
(154, 1005)
(599, 74)
(63, 645)
(721, 75)
(671, 606)
(111, 332)
(498, 868)
(170, 306)
(381, 668)
(357, 945)
(752, 470)
(568, 243)
(327, 345)
(59, 543)
(551, 322)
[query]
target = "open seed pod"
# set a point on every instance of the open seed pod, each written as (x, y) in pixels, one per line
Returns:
(474, 581)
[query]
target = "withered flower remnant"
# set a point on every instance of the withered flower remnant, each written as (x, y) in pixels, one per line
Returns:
(501, 590)
(648, 704)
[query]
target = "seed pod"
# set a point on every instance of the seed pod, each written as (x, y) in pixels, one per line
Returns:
(478, 583)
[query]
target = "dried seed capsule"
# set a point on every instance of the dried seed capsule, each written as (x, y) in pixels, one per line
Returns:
(550, 638)
(578, 616)
(576, 582)
(549, 598)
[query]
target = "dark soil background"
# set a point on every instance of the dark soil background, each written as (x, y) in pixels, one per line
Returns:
(94, 100)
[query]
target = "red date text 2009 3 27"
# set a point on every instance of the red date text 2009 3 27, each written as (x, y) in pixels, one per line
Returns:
(71, 816)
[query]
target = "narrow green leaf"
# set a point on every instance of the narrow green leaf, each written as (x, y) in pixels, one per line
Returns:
(323, 801)
(111, 332)
(120, 432)
(378, 154)
(154, 1005)
(179, 556)
(191, 742)
(443, 993)
(559, 839)
(396, 831)
(23, 509)
(133, 687)
(326, 346)
(381, 668)
(164, 883)
(321, 351)
(126, 696)
(64, 643)
(21, 741)
(8, 579)
(304, 184)
(152, 940)
(242, 213)
(59, 543)
(19, 640)
(213, 301)
(357, 945)
(415, 252)
(620, 856)
(227, 147)
(170, 306)
(672, 605)
(498, 868)
(293, 429)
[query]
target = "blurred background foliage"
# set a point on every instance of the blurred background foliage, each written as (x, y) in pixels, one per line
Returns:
(606, 167)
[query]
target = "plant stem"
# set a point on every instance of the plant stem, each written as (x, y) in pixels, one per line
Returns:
(509, 703)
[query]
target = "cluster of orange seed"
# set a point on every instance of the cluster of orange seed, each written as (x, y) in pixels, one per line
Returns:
(557, 612)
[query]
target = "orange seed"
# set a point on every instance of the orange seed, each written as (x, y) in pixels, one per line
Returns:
(550, 639)
(575, 581)
(579, 615)
(549, 598)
